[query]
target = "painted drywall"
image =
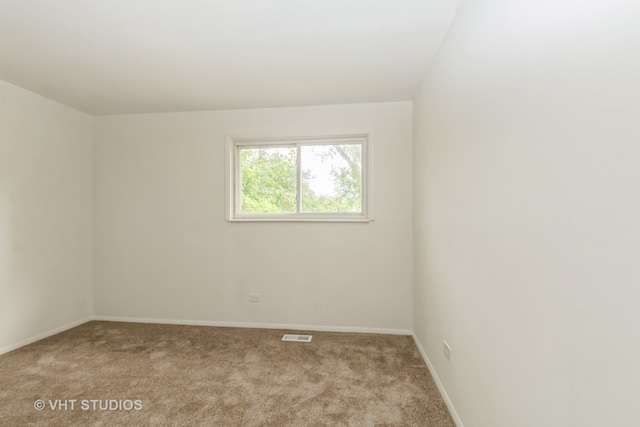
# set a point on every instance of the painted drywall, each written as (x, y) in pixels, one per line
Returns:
(45, 216)
(527, 199)
(163, 249)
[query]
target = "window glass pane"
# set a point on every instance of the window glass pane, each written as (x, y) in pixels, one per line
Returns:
(268, 180)
(331, 178)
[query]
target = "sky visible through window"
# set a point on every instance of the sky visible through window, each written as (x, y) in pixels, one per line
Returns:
(316, 160)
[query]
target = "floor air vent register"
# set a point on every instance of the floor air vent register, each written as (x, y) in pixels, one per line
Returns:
(297, 338)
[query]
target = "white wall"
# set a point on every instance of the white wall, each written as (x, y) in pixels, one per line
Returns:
(163, 249)
(45, 216)
(527, 208)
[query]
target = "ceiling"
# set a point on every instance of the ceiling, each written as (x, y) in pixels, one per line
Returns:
(146, 56)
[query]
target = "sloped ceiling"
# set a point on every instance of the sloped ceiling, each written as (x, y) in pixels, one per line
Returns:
(145, 56)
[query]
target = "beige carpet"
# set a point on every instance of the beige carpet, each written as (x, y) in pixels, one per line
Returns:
(166, 375)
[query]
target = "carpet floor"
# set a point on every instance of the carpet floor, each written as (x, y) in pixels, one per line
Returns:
(111, 374)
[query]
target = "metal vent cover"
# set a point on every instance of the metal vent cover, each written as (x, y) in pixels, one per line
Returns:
(297, 338)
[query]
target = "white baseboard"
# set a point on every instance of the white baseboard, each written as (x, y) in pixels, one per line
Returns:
(44, 335)
(290, 327)
(443, 392)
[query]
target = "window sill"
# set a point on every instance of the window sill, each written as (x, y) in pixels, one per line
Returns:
(299, 218)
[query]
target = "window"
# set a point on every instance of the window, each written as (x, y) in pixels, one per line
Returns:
(298, 179)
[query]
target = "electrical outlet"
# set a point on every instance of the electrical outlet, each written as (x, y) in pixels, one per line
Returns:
(447, 351)
(254, 297)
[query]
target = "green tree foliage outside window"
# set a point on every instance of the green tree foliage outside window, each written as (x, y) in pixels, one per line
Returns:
(268, 180)
(331, 179)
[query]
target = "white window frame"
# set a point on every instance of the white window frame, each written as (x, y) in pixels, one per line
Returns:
(233, 178)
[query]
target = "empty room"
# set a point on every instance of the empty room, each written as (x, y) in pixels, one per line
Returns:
(320, 213)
